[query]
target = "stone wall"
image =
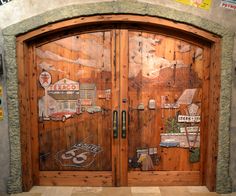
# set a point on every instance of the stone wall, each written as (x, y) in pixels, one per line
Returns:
(4, 142)
(233, 125)
(30, 14)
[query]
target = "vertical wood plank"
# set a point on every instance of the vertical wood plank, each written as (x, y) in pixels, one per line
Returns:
(124, 105)
(32, 66)
(115, 106)
(213, 123)
(205, 113)
(23, 89)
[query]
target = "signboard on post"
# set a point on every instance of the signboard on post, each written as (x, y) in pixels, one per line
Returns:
(189, 119)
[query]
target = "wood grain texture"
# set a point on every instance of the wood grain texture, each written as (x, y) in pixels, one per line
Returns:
(164, 178)
(115, 106)
(123, 102)
(161, 66)
(205, 115)
(85, 59)
(213, 121)
(185, 61)
(24, 109)
(143, 20)
(59, 178)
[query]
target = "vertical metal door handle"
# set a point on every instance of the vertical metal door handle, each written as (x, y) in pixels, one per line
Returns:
(115, 124)
(123, 132)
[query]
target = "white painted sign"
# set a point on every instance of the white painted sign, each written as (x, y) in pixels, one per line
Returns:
(187, 96)
(64, 85)
(45, 79)
(193, 129)
(184, 118)
(170, 105)
(192, 109)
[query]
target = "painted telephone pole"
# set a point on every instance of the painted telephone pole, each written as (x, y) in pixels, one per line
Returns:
(45, 80)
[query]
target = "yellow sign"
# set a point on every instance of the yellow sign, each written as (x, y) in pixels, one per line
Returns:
(0, 90)
(203, 4)
(1, 113)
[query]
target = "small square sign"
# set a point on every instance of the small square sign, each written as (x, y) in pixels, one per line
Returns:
(1, 63)
(1, 113)
(0, 91)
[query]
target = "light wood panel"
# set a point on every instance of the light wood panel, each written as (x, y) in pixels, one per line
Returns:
(70, 130)
(24, 112)
(162, 66)
(213, 121)
(84, 59)
(124, 105)
(164, 178)
(116, 170)
(60, 178)
(143, 20)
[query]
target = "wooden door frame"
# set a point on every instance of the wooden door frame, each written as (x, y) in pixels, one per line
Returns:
(27, 116)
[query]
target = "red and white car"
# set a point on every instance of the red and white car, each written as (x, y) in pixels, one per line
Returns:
(61, 116)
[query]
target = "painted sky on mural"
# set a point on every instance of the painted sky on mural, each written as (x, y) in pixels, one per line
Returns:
(143, 58)
(92, 52)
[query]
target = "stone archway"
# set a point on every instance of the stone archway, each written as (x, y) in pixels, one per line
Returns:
(223, 179)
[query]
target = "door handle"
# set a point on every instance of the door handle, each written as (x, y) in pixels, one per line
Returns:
(123, 131)
(115, 124)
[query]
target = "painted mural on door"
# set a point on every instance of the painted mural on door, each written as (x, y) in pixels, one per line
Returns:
(165, 93)
(74, 103)
(75, 111)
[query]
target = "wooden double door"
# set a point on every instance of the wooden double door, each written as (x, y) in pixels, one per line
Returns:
(119, 106)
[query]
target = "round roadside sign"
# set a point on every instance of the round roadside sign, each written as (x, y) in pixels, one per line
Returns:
(45, 79)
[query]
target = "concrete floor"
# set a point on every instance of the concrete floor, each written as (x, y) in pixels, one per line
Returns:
(120, 191)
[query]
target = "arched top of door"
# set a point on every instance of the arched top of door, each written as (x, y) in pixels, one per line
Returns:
(98, 22)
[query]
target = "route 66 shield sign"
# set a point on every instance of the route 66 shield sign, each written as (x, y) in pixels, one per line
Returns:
(77, 156)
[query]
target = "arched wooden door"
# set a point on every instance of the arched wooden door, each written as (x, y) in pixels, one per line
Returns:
(119, 105)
